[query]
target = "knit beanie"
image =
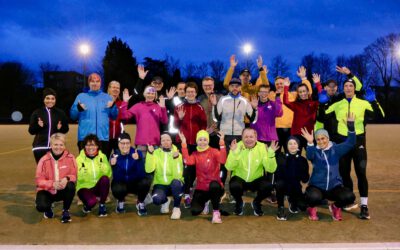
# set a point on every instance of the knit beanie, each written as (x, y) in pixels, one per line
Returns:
(49, 91)
(202, 133)
(123, 136)
(295, 139)
(321, 132)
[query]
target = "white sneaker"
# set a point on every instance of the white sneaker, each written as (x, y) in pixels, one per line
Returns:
(165, 207)
(176, 213)
(350, 207)
(148, 200)
(206, 209)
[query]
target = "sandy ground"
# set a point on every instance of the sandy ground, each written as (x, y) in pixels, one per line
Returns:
(20, 223)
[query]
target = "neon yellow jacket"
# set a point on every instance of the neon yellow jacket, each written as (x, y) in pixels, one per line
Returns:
(359, 108)
(250, 164)
(91, 170)
(166, 168)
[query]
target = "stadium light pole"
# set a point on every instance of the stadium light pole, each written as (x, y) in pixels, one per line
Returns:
(84, 50)
(247, 48)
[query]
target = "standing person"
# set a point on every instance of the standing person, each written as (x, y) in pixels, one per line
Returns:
(325, 181)
(176, 100)
(190, 118)
(304, 109)
(166, 164)
(207, 161)
(148, 115)
(129, 175)
(116, 126)
(55, 179)
(93, 111)
(363, 110)
(249, 160)
(46, 121)
(94, 173)
(292, 170)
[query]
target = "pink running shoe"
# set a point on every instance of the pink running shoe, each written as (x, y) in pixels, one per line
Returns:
(312, 213)
(336, 212)
(216, 219)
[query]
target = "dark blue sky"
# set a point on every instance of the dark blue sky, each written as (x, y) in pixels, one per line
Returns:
(192, 31)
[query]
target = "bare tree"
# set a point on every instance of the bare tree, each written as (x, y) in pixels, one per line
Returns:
(279, 67)
(171, 63)
(217, 69)
(190, 70)
(202, 70)
(324, 66)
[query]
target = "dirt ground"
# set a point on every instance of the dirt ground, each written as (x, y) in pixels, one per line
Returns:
(20, 223)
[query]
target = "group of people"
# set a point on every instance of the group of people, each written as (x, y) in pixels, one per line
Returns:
(189, 147)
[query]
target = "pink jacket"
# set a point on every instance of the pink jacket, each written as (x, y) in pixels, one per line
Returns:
(47, 168)
(148, 117)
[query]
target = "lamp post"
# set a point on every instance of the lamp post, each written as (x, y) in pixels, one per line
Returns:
(247, 48)
(84, 49)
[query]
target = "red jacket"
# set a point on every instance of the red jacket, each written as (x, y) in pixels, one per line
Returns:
(304, 113)
(115, 125)
(195, 119)
(207, 165)
(45, 171)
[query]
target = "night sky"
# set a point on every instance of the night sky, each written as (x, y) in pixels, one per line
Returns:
(192, 31)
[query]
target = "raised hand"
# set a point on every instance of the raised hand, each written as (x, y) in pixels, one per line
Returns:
(125, 95)
(343, 70)
(182, 137)
(161, 101)
(40, 122)
(213, 99)
(170, 93)
(59, 125)
(265, 69)
(142, 72)
(370, 95)
(135, 155)
(233, 145)
(286, 82)
(259, 62)
(113, 160)
(254, 101)
(301, 72)
(181, 112)
(323, 97)
(316, 77)
(150, 148)
(83, 106)
(309, 137)
(175, 154)
(233, 61)
(110, 104)
(274, 145)
(221, 136)
(212, 128)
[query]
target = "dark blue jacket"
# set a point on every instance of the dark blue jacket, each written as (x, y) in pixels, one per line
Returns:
(325, 174)
(128, 169)
(292, 169)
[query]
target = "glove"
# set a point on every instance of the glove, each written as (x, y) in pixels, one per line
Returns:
(369, 95)
(323, 97)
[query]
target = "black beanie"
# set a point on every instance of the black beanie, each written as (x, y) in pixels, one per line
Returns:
(123, 136)
(49, 91)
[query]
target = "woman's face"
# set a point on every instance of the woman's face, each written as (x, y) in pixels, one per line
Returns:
(57, 146)
(150, 96)
(49, 101)
(293, 147)
(124, 146)
(166, 142)
(91, 148)
(322, 141)
(303, 93)
(191, 94)
(202, 142)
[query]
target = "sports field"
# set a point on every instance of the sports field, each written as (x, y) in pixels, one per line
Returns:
(20, 223)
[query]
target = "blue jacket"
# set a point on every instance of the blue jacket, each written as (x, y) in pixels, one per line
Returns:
(128, 169)
(325, 174)
(95, 118)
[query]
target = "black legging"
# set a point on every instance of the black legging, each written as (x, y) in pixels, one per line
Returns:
(283, 135)
(359, 156)
(200, 197)
(44, 198)
(140, 187)
(237, 186)
(341, 195)
(189, 172)
(39, 153)
(296, 196)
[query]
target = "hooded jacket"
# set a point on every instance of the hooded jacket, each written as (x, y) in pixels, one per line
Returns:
(292, 169)
(194, 120)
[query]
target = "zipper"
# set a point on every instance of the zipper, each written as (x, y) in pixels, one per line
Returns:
(233, 115)
(249, 166)
(190, 121)
(94, 171)
(329, 167)
(49, 133)
(126, 169)
(165, 167)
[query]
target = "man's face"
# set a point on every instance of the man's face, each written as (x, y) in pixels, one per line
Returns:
(234, 88)
(279, 85)
(331, 89)
(303, 92)
(245, 77)
(114, 89)
(191, 94)
(124, 146)
(95, 83)
(180, 89)
(263, 94)
(249, 138)
(208, 86)
(348, 89)
(158, 85)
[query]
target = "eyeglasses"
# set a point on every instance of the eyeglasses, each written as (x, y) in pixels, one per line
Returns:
(125, 143)
(91, 145)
